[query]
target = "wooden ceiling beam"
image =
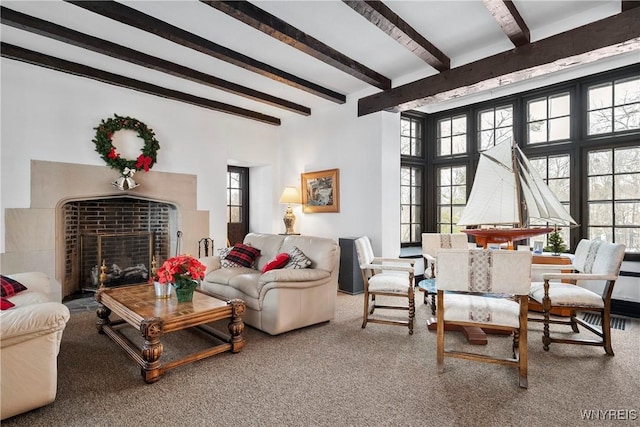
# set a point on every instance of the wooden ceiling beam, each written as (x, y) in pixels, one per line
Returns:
(510, 20)
(129, 16)
(35, 58)
(282, 31)
(629, 4)
(66, 35)
(604, 38)
(388, 21)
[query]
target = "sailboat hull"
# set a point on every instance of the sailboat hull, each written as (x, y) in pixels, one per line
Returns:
(484, 236)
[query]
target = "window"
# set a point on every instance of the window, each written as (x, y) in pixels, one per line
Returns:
(548, 118)
(614, 106)
(410, 204)
(556, 173)
(411, 136)
(614, 196)
(495, 125)
(451, 198)
(237, 204)
(411, 179)
(452, 135)
(234, 197)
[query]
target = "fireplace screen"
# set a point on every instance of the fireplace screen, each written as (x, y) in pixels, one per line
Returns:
(126, 255)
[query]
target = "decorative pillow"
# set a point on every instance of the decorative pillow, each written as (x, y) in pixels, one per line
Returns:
(243, 254)
(5, 304)
(224, 262)
(297, 259)
(10, 287)
(278, 262)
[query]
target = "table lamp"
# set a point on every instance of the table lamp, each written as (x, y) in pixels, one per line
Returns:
(289, 195)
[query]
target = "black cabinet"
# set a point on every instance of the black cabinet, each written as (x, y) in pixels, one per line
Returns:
(350, 277)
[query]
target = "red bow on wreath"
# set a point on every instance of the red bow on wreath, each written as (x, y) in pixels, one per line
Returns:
(144, 161)
(112, 154)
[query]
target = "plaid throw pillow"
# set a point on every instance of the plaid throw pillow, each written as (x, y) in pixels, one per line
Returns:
(297, 259)
(224, 262)
(10, 287)
(243, 254)
(5, 304)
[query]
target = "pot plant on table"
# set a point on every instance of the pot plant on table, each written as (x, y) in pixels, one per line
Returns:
(184, 272)
(556, 243)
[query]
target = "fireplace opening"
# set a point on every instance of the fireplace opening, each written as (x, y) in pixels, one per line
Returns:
(125, 232)
(127, 258)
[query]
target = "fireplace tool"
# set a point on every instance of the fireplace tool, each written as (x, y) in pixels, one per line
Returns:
(203, 245)
(179, 237)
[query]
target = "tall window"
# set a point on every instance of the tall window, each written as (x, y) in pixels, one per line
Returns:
(614, 196)
(495, 125)
(410, 204)
(614, 106)
(451, 197)
(548, 118)
(452, 135)
(411, 180)
(556, 173)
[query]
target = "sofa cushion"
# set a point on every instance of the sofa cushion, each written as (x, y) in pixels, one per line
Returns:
(10, 287)
(224, 262)
(279, 261)
(223, 275)
(297, 259)
(247, 284)
(5, 304)
(243, 254)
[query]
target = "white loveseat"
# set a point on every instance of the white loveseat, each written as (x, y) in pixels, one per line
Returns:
(30, 335)
(283, 299)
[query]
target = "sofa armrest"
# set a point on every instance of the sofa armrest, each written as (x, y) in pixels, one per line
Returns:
(34, 281)
(211, 263)
(294, 275)
(24, 323)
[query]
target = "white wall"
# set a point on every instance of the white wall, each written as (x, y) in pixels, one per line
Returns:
(49, 115)
(335, 138)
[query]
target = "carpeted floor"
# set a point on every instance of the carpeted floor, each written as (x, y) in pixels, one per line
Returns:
(337, 374)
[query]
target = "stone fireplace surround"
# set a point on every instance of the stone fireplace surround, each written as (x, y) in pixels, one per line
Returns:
(34, 236)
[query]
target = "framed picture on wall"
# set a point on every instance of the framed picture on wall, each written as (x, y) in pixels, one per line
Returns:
(321, 191)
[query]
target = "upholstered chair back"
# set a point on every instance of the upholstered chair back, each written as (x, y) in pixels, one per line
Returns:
(364, 251)
(599, 257)
(477, 270)
(433, 242)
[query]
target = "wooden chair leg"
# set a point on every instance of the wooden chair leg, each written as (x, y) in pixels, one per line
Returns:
(366, 308)
(574, 325)
(412, 312)
(606, 331)
(440, 337)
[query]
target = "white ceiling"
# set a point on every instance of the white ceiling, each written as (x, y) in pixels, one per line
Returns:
(465, 31)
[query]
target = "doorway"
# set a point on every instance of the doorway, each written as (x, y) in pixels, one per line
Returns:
(237, 204)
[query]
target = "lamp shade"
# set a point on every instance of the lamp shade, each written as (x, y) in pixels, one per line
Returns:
(290, 195)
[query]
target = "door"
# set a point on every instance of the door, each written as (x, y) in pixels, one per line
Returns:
(237, 204)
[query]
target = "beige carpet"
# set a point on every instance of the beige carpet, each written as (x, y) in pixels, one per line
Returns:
(338, 374)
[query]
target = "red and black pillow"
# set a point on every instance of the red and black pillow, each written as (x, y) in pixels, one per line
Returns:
(9, 287)
(243, 254)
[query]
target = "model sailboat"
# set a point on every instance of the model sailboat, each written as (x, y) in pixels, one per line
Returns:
(507, 193)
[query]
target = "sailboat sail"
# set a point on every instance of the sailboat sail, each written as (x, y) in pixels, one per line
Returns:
(508, 191)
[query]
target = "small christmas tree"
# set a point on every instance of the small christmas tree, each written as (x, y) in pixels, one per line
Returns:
(555, 243)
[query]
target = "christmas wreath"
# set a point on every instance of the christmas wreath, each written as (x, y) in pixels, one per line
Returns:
(104, 145)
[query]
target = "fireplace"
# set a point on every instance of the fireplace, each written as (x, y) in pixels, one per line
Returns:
(123, 232)
(68, 200)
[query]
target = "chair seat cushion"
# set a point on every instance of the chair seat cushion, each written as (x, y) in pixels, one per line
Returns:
(389, 282)
(474, 308)
(565, 294)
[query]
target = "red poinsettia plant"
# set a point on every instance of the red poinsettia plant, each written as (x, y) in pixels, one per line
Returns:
(181, 271)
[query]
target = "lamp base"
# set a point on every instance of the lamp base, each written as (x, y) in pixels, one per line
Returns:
(289, 219)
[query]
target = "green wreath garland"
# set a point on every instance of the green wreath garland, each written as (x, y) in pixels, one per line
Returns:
(104, 145)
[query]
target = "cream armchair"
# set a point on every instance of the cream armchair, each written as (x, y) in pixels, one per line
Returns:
(30, 335)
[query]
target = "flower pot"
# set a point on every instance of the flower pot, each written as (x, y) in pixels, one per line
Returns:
(163, 290)
(184, 292)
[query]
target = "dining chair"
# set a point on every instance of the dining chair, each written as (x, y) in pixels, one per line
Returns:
(385, 277)
(489, 289)
(594, 270)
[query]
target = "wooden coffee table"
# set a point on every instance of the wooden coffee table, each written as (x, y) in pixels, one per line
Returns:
(138, 307)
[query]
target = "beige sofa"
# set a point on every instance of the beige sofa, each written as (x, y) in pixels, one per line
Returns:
(283, 299)
(30, 334)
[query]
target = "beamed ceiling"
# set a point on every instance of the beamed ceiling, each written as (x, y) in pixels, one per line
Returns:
(269, 60)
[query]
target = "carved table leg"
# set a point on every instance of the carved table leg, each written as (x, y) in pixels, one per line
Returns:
(236, 325)
(152, 349)
(103, 313)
